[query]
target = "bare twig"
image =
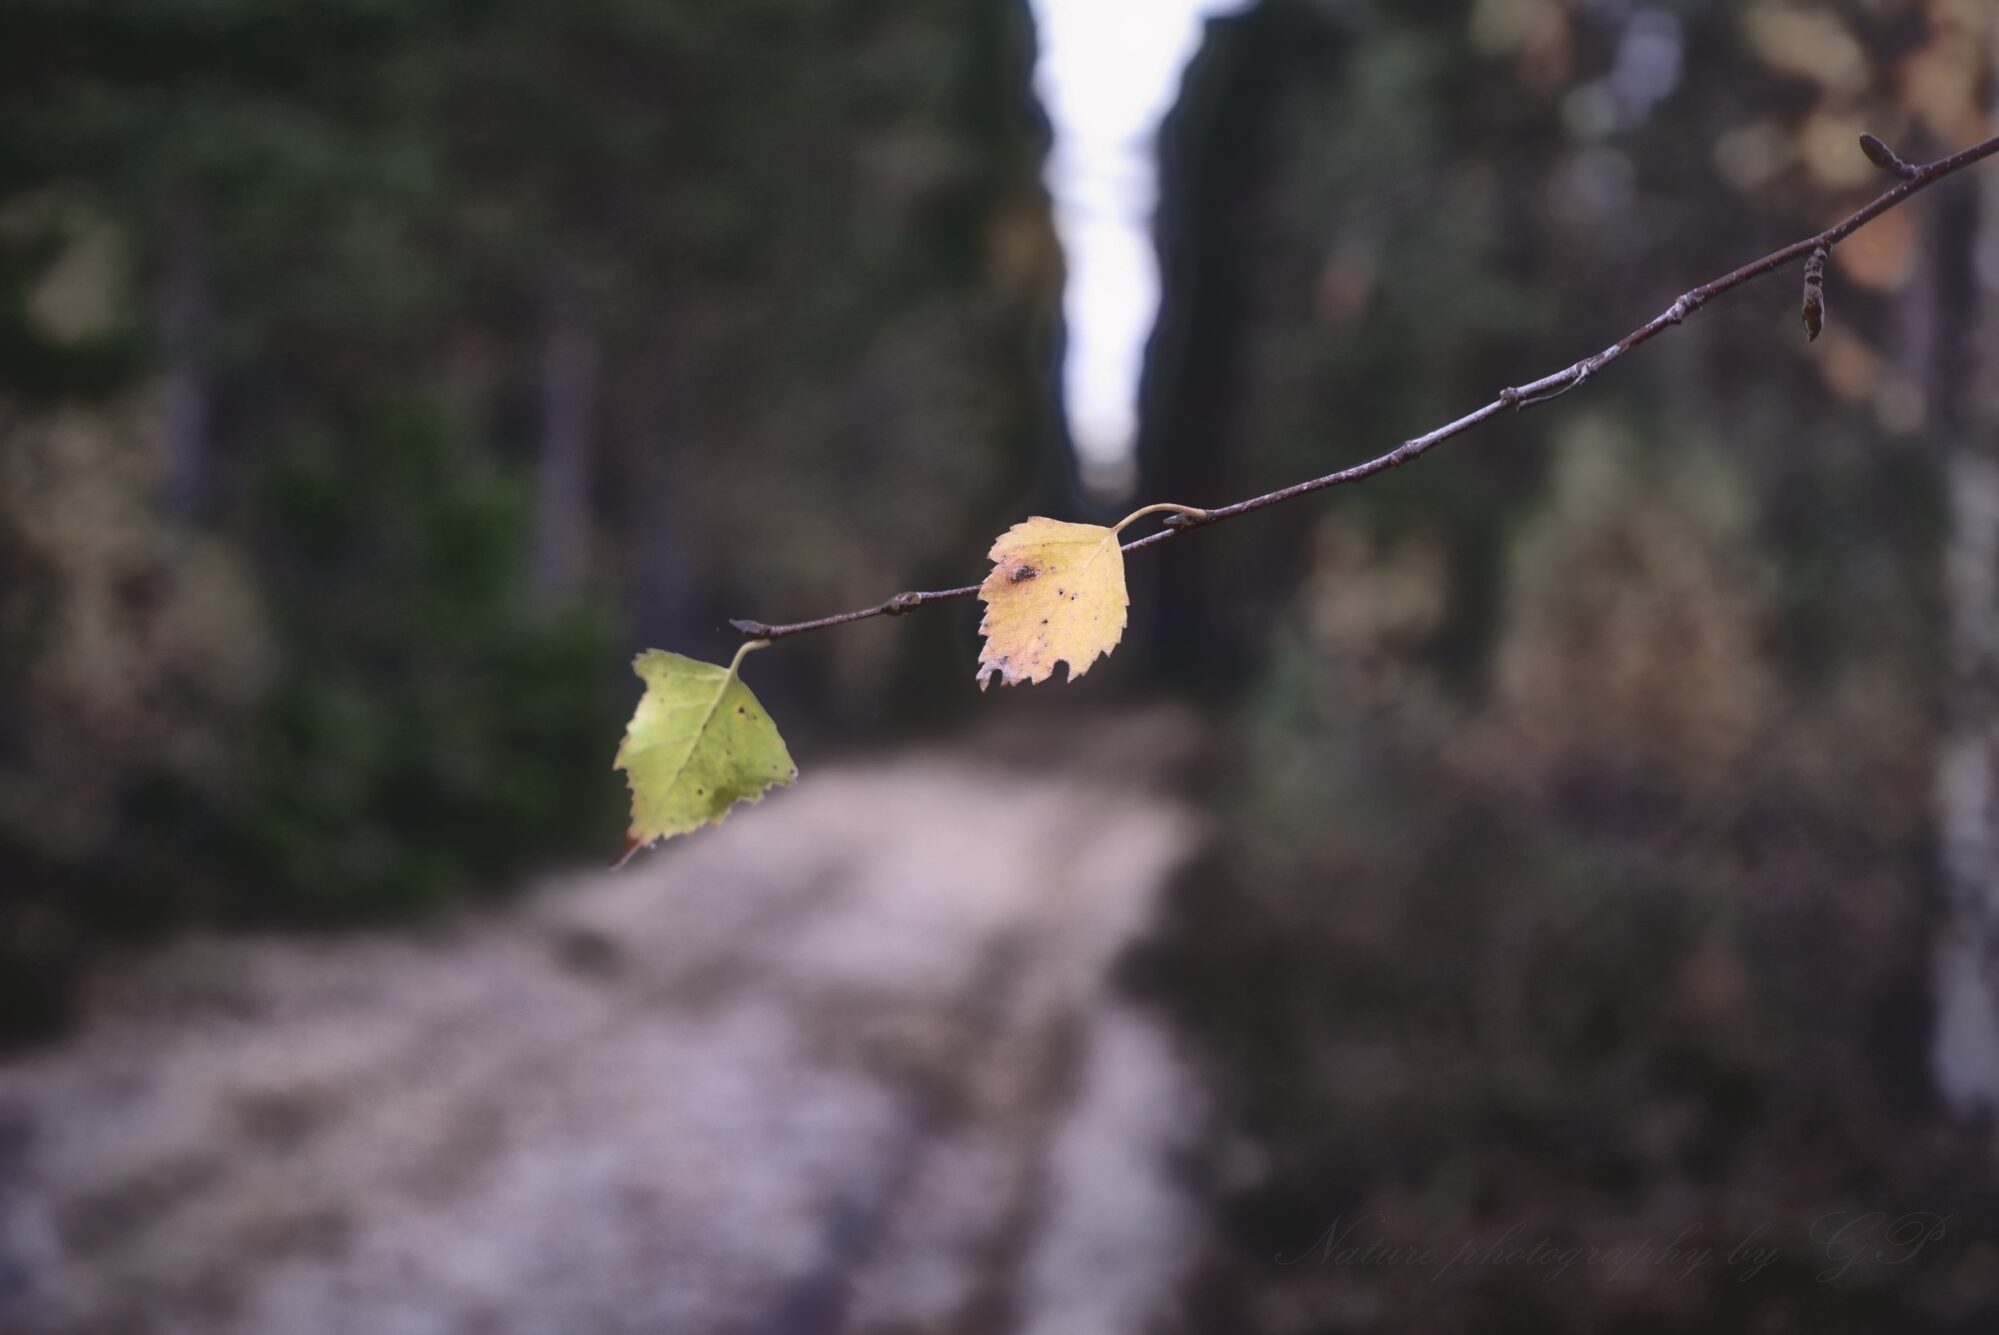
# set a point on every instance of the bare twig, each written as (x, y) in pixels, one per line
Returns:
(1913, 179)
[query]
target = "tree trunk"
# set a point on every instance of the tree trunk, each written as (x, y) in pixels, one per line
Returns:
(569, 362)
(185, 314)
(1966, 1045)
(665, 574)
(1965, 1049)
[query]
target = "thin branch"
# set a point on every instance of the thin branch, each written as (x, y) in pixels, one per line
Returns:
(1518, 397)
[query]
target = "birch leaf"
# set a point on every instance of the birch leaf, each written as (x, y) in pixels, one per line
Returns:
(698, 744)
(1055, 594)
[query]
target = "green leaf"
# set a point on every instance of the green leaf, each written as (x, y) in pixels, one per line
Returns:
(698, 744)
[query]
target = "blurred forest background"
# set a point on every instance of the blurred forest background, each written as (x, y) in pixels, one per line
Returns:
(380, 375)
(1599, 839)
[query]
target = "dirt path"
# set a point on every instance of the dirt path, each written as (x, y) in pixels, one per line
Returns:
(848, 1063)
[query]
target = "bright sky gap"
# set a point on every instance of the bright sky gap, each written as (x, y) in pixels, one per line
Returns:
(1107, 73)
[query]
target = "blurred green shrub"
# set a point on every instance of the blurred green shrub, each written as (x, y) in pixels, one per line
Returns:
(433, 724)
(374, 718)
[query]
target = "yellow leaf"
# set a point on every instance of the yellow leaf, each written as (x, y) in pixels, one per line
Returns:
(698, 744)
(1055, 595)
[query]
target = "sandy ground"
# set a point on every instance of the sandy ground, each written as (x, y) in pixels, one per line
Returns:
(850, 1062)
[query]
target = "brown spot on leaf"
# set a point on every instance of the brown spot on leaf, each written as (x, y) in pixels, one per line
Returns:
(1022, 573)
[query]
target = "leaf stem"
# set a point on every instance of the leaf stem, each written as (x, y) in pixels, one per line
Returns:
(1516, 398)
(1187, 511)
(736, 663)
